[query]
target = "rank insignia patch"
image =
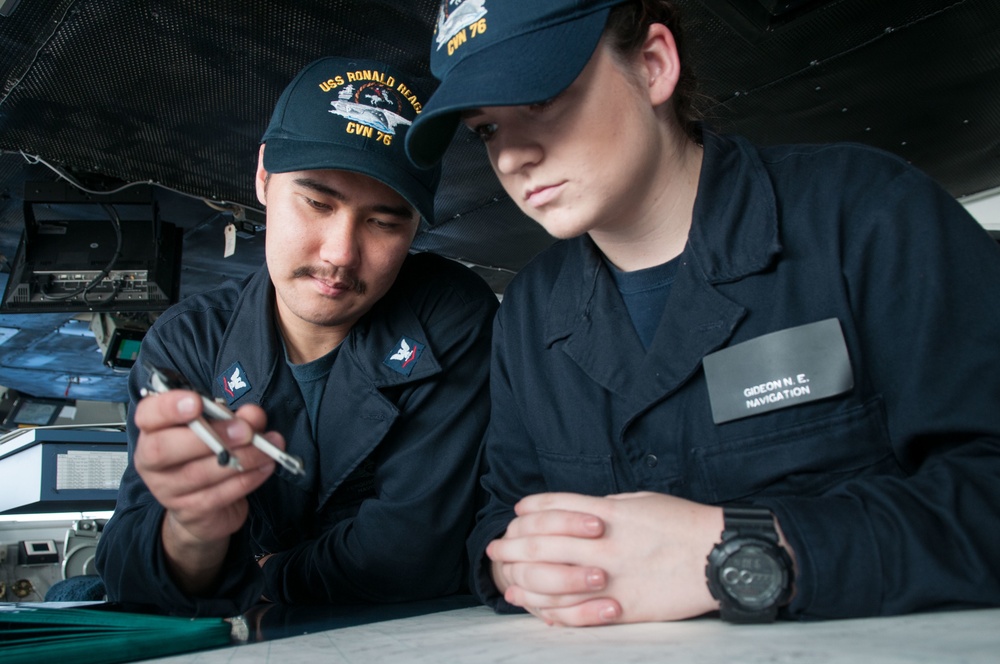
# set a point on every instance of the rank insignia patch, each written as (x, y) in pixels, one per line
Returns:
(403, 356)
(234, 382)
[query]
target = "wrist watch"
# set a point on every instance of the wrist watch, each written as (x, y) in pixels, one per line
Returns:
(749, 572)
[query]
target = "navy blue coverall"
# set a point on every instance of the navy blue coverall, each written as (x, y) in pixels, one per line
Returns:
(387, 500)
(889, 493)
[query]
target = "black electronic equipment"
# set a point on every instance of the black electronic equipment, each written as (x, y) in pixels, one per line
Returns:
(119, 338)
(83, 252)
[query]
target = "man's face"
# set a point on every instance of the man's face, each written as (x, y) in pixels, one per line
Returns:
(335, 242)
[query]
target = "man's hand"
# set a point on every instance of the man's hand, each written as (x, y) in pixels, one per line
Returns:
(581, 560)
(205, 502)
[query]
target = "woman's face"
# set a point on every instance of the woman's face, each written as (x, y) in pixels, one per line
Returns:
(585, 161)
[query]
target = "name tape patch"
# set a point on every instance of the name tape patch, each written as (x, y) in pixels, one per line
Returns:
(778, 370)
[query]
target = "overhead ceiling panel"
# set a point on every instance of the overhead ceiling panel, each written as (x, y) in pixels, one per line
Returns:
(178, 92)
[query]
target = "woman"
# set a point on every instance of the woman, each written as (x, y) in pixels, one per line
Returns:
(736, 385)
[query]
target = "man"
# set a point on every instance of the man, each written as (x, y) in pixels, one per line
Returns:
(752, 380)
(367, 363)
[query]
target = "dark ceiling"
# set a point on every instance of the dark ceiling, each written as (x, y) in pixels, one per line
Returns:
(177, 93)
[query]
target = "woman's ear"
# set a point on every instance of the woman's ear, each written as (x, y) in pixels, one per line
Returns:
(260, 180)
(661, 62)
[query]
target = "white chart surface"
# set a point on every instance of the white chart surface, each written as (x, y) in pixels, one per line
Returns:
(478, 635)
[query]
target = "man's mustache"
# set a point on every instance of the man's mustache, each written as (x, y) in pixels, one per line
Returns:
(354, 284)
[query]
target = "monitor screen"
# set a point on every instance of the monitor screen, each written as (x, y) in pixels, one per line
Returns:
(31, 411)
(123, 347)
(128, 349)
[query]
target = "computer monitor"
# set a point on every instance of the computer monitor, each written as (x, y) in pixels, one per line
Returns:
(28, 411)
(123, 348)
(83, 252)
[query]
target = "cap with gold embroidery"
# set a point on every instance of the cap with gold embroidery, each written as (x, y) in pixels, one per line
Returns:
(502, 53)
(351, 114)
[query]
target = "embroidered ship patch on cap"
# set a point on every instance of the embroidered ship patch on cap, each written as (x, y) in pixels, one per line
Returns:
(373, 103)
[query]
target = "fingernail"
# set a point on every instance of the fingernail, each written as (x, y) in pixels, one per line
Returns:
(186, 405)
(595, 580)
(609, 614)
(236, 430)
(592, 524)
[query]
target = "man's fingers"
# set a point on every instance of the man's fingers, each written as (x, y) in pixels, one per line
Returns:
(206, 495)
(173, 408)
(254, 415)
(201, 474)
(165, 440)
(162, 450)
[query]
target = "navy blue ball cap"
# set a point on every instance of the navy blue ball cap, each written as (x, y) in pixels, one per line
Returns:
(352, 114)
(502, 53)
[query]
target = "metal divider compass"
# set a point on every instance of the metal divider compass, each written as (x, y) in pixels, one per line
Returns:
(162, 380)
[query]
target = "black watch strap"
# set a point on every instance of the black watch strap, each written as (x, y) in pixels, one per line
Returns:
(749, 520)
(734, 614)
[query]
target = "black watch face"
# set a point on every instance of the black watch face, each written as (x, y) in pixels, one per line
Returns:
(752, 576)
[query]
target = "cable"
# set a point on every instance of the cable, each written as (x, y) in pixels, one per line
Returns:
(42, 46)
(223, 206)
(115, 426)
(86, 288)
